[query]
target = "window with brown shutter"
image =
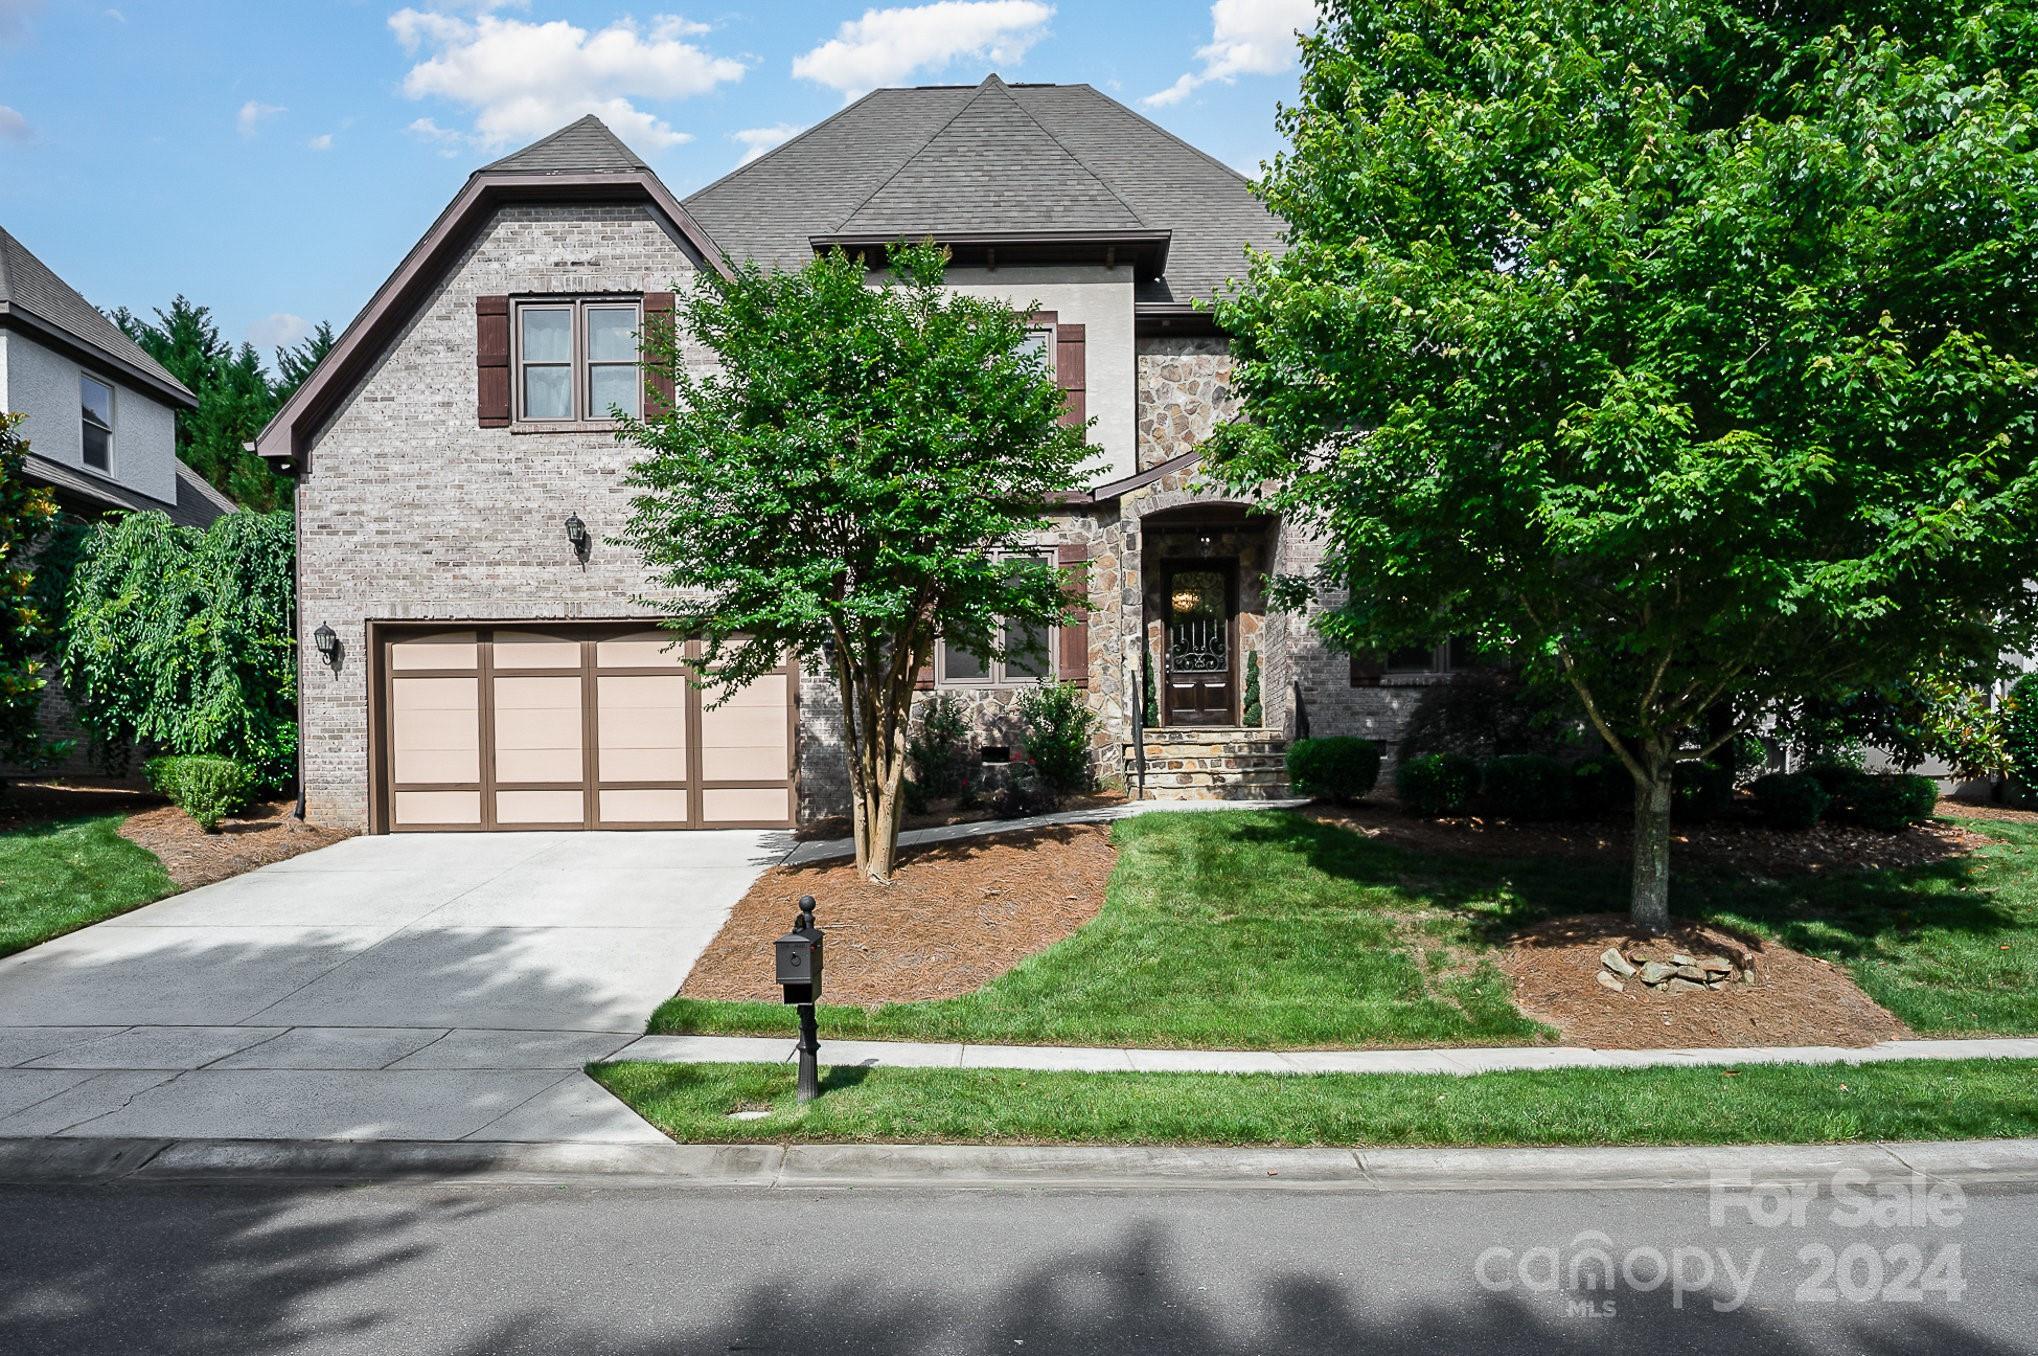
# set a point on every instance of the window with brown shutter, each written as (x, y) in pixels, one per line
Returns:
(1069, 363)
(658, 376)
(1074, 666)
(492, 361)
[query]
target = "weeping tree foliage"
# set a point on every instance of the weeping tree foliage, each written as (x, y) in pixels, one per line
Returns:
(840, 487)
(26, 513)
(177, 640)
(1682, 347)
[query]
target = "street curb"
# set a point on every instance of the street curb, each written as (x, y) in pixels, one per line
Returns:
(86, 1161)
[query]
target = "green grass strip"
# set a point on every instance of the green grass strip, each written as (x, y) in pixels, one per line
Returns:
(58, 877)
(1798, 1104)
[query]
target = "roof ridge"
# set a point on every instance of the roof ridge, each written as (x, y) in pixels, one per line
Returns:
(1102, 182)
(579, 123)
(915, 154)
(1233, 171)
(792, 141)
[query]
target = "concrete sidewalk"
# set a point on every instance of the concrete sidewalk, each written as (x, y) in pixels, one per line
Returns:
(2000, 1163)
(937, 1055)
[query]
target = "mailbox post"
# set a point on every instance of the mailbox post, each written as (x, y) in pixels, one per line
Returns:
(799, 974)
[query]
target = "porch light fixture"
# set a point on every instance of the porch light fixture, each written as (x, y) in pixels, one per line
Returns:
(327, 644)
(576, 535)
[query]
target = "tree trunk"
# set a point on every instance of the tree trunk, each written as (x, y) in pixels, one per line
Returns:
(875, 738)
(1649, 898)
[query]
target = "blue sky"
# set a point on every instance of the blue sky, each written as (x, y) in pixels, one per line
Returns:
(274, 159)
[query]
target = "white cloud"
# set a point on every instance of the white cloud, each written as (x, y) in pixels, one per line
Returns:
(13, 127)
(887, 45)
(116, 16)
(525, 79)
(252, 115)
(322, 142)
(1247, 37)
(275, 331)
(761, 139)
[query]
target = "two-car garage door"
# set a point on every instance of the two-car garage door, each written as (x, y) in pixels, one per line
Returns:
(573, 727)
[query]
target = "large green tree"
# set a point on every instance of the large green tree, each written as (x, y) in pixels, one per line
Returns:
(26, 513)
(841, 486)
(236, 396)
(1683, 347)
(178, 640)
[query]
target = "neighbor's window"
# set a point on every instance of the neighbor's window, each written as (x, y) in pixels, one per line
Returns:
(577, 360)
(1452, 656)
(1030, 657)
(96, 401)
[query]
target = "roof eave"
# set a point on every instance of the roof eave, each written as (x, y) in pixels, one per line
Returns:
(285, 439)
(1145, 248)
(174, 393)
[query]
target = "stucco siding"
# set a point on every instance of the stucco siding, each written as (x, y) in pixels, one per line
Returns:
(42, 384)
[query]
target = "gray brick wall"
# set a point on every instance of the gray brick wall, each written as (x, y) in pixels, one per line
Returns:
(410, 510)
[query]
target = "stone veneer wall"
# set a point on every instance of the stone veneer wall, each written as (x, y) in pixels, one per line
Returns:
(1184, 392)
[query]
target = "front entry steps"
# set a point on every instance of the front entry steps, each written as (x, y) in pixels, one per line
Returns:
(1212, 762)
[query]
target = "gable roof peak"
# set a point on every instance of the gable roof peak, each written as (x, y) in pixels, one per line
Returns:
(585, 145)
(31, 291)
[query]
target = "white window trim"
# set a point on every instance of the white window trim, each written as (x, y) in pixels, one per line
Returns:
(84, 420)
(995, 675)
(580, 380)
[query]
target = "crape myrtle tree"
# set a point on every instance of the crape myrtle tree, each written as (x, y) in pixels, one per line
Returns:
(841, 487)
(1681, 347)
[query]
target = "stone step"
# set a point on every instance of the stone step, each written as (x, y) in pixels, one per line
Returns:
(1231, 748)
(1272, 766)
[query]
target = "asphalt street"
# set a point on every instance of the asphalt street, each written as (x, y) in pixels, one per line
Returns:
(492, 1269)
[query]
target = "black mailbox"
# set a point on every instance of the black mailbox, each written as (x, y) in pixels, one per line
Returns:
(799, 957)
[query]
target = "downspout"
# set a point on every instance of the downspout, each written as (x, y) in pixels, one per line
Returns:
(297, 611)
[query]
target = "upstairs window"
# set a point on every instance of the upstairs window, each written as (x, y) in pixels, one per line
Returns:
(576, 360)
(95, 400)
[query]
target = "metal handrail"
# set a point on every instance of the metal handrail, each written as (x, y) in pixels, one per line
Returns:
(1137, 678)
(1301, 712)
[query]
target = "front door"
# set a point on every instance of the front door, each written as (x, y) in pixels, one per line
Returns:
(1199, 646)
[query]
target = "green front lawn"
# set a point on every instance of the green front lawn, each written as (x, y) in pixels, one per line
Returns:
(1254, 929)
(58, 877)
(1762, 1104)
(1265, 929)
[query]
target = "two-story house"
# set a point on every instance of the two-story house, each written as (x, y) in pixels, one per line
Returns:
(457, 479)
(98, 412)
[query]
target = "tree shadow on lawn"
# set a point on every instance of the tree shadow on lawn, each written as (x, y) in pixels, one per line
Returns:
(1843, 917)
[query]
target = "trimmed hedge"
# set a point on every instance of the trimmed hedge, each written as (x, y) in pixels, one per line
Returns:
(203, 785)
(1343, 768)
(1434, 784)
(1790, 800)
(1527, 786)
(1892, 800)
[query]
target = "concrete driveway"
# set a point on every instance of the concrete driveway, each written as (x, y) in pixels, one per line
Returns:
(420, 986)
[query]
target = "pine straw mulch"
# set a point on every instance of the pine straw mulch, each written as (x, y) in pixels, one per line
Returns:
(955, 917)
(1795, 999)
(1734, 844)
(266, 833)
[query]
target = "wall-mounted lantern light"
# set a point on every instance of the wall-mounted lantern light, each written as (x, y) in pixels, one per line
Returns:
(576, 535)
(327, 644)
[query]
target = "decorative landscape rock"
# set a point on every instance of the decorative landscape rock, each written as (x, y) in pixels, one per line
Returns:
(1682, 973)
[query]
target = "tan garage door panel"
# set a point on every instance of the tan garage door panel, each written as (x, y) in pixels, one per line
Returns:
(594, 726)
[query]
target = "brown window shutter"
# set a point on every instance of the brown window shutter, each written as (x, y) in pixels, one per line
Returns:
(492, 361)
(658, 307)
(1074, 662)
(1068, 372)
(924, 679)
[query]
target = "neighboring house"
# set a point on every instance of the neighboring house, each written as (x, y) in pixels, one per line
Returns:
(100, 416)
(487, 673)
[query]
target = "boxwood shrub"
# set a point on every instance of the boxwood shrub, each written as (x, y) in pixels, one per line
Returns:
(202, 785)
(1526, 786)
(1891, 800)
(1790, 800)
(1342, 768)
(1432, 784)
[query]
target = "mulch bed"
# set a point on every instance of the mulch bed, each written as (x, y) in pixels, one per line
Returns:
(955, 916)
(266, 833)
(1731, 843)
(1795, 999)
(943, 813)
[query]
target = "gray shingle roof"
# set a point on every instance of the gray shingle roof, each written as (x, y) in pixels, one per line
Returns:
(582, 147)
(990, 157)
(28, 285)
(198, 503)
